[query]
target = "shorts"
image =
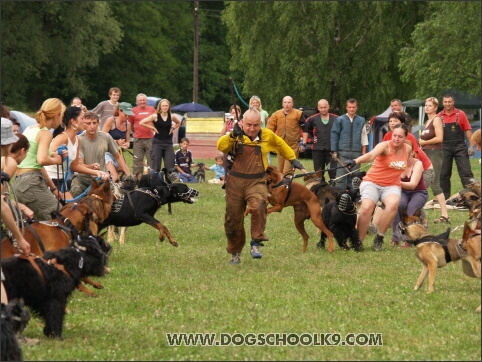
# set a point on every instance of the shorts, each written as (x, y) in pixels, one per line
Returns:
(374, 192)
(110, 158)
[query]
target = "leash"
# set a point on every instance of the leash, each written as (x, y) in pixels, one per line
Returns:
(141, 161)
(14, 207)
(77, 198)
(350, 172)
(333, 168)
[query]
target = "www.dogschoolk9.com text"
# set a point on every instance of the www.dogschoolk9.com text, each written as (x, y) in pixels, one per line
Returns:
(274, 339)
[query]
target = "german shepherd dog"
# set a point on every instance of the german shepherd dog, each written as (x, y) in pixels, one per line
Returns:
(472, 200)
(437, 251)
(46, 283)
(282, 192)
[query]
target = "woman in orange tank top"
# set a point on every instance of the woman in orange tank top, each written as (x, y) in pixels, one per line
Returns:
(382, 182)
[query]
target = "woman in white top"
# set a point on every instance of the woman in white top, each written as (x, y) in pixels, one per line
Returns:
(66, 135)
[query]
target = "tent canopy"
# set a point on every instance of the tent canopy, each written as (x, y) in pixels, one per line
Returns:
(462, 100)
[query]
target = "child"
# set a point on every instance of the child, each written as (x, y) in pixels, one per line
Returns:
(183, 162)
(218, 169)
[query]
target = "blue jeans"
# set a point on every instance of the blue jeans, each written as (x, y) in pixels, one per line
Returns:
(410, 201)
(187, 178)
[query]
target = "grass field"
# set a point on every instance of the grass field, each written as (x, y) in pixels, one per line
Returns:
(155, 289)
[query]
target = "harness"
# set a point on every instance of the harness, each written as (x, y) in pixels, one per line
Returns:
(35, 259)
(64, 224)
(32, 258)
(285, 182)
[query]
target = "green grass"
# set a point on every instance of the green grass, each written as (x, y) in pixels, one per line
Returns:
(155, 289)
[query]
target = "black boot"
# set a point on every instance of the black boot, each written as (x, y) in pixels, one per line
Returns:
(377, 243)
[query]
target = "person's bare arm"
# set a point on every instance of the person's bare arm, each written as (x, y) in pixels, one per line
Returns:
(9, 221)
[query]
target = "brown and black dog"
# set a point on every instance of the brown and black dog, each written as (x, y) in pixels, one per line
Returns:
(437, 251)
(324, 191)
(472, 200)
(282, 192)
(73, 219)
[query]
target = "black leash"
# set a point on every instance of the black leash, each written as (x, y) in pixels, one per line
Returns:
(315, 172)
(138, 159)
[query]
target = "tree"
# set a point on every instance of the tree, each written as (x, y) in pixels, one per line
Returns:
(147, 57)
(445, 50)
(332, 50)
(47, 46)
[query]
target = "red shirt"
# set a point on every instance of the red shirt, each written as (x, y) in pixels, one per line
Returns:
(139, 115)
(450, 118)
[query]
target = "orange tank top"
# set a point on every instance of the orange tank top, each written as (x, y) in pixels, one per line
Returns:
(387, 169)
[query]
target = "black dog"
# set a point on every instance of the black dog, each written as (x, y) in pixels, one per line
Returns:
(46, 283)
(200, 173)
(15, 318)
(326, 192)
(340, 217)
(140, 205)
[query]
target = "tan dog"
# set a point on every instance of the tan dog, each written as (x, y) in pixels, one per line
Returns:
(471, 264)
(474, 203)
(437, 251)
(282, 192)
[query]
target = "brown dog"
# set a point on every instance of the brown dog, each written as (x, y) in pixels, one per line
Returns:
(437, 251)
(474, 203)
(282, 192)
(322, 189)
(471, 264)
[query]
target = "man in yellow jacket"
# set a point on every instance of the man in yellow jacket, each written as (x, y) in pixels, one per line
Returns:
(245, 184)
(287, 123)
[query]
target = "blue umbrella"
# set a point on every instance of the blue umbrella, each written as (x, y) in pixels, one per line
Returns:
(191, 107)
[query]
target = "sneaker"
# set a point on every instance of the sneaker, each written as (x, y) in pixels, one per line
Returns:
(255, 253)
(395, 243)
(377, 243)
(235, 259)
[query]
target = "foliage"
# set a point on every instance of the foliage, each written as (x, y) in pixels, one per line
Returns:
(155, 289)
(335, 50)
(372, 51)
(445, 50)
(48, 46)
(146, 58)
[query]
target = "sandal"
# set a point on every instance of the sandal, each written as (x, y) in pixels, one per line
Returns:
(442, 220)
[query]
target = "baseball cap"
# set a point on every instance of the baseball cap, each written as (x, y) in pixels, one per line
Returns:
(126, 108)
(8, 137)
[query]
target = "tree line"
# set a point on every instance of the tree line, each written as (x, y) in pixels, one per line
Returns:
(372, 51)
